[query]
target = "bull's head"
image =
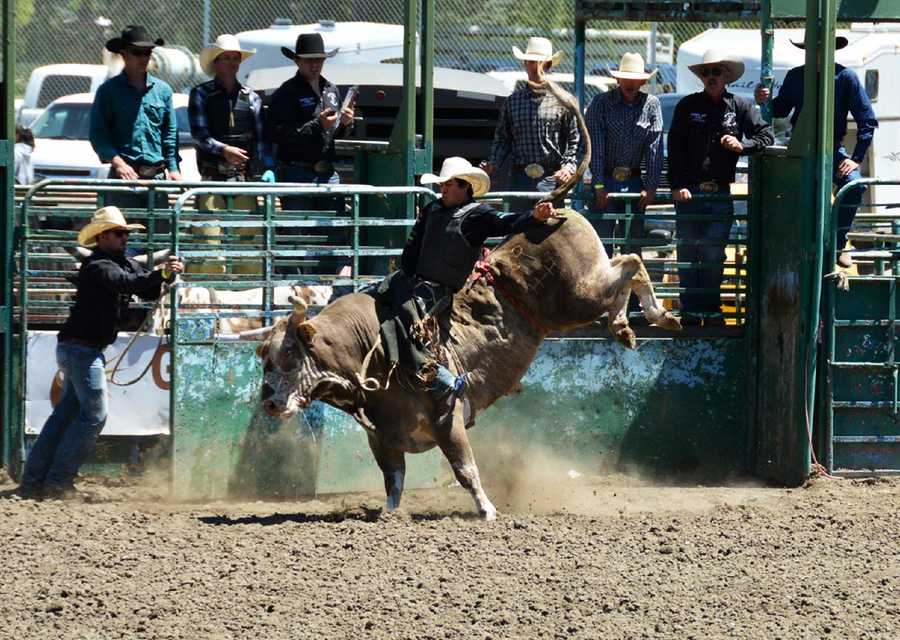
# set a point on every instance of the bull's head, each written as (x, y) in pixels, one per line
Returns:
(290, 371)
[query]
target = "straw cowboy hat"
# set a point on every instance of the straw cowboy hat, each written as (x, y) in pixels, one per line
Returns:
(839, 43)
(461, 168)
(631, 67)
(105, 219)
(225, 42)
(734, 69)
(308, 45)
(538, 50)
(133, 36)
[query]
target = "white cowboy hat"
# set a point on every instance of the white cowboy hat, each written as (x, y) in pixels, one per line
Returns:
(734, 69)
(461, 168)
(631, 67)
(104, 219)
(539, 50)
(225, 42)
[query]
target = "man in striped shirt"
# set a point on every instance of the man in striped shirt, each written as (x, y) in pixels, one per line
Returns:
(625, 126)
(536, 132)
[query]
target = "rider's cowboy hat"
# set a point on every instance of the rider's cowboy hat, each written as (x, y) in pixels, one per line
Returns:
(225, 42)
(133, 36)
(308, 45)
(538, 50)
(104, 219)
(461, 168)
(839, 43)
(631, 67)
(734, 69)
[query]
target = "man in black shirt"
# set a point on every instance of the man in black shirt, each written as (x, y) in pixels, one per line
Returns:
(303, 120)
(710, 129)
(439, 256)
(106, 282)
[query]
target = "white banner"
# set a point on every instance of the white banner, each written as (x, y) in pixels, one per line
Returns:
(141, 409)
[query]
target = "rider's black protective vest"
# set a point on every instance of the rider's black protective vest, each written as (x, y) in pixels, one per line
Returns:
(446, 256)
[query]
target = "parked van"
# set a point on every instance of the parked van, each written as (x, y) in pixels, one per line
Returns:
(356, 42)
(873, 53)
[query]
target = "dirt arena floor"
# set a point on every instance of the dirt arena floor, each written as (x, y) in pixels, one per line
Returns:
(568, 558)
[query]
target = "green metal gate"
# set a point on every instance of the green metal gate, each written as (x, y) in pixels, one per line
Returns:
(860, 397)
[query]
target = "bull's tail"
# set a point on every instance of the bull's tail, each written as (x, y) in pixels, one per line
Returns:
(571, 104)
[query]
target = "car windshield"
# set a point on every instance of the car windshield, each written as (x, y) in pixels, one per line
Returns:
(71, 121)
(63, 122)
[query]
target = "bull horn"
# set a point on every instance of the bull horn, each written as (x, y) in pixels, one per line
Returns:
(300, 306)
(256, 334)
(158, 257)
(79, 253)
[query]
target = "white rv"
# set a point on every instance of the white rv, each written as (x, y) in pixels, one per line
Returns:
(873, 52)
(356, 42)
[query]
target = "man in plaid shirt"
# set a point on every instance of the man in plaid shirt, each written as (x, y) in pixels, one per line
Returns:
(625, 126)
(535, 130)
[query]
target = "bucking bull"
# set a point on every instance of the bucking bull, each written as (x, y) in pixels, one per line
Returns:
(554, 277)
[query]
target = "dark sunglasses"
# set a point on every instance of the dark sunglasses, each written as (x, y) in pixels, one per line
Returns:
(715, 72)
(141, 53)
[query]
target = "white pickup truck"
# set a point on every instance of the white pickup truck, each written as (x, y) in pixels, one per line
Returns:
(62, 148)
(53, 81)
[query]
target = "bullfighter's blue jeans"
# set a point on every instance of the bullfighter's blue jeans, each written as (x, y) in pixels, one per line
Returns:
(851, 201)
(703, 243)
(69, 434)
(606, 227)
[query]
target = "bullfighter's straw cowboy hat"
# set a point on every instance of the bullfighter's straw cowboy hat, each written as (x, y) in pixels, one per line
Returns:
(734, 69)
(104, 219)
(308, 45)
(225, 42)
(133, 36)
(631, 67)
(839, 43)
(538, 50)
(461, 168)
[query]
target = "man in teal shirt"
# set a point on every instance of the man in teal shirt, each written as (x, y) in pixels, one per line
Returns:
(133, 125)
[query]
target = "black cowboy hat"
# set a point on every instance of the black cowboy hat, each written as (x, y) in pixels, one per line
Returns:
(133, 36)
(839, 43)
(309, 45)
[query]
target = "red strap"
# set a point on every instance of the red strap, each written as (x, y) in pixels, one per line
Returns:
(483, 270)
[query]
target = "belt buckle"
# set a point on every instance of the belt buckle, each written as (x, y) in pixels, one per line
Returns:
(709, 187)
(534, 171)
(621, 174)
(323, 166)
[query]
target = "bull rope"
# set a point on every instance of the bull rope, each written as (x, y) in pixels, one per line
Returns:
(145, 325)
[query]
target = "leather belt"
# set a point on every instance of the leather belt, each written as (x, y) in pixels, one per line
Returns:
(710, 186)
(621, 174)
(322, 166)
(148, 170)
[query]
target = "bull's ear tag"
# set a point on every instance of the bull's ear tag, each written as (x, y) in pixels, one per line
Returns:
(299, 314)
(306, 332)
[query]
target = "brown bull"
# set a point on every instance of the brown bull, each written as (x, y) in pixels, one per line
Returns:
(551, 278)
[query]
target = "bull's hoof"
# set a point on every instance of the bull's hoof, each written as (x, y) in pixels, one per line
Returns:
(669, 322)
(625, 336)
(488, 515)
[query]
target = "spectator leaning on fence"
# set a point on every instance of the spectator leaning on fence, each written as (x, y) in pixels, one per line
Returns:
(133, 125)
(106, 281)
(625, 126)
(227, 118)
(535, 132)
(849, 97)
(710, 129)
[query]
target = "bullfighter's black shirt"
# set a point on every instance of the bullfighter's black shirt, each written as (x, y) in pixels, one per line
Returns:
(105, 285)
(480, 224)
(694, 149)
(293, 120)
